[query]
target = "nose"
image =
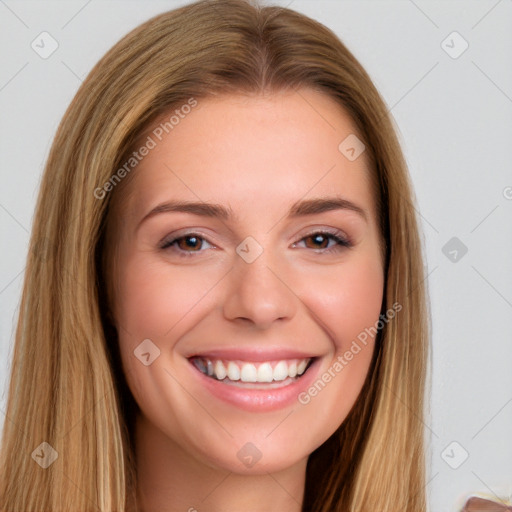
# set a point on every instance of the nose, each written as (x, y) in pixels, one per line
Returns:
(259, 293)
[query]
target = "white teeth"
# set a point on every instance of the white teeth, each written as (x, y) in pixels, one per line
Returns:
(265, 373)
(248, 373)
(252, 372)
(233, 371)
(219, 370)
(281, 371)
(301, 367)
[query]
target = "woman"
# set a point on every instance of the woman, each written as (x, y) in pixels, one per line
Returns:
(257, 371)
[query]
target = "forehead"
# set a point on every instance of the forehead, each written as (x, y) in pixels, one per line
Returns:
(252, 153)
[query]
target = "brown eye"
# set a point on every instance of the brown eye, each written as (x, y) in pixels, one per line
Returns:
(320, 240)
(190, 242)
(185, 245)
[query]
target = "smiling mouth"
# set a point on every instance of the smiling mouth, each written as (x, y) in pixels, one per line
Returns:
(266, 374)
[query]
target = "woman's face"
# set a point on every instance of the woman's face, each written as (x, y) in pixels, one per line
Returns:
(248, 246)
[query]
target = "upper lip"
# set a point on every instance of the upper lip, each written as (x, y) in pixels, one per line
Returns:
(252, 354)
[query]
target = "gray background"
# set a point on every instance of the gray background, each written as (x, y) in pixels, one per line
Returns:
(454, 118)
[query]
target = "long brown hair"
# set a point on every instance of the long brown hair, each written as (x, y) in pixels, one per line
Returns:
(66, 386)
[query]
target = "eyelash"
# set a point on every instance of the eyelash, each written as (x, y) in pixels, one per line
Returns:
(341, 243)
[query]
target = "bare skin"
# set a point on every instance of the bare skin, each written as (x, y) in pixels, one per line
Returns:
(304, 292)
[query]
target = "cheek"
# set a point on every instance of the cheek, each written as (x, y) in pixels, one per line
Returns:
(347, 299)
(159, 302)
(154, 298)
(347, 306)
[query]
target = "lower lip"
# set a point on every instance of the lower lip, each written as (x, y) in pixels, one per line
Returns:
(258, 400)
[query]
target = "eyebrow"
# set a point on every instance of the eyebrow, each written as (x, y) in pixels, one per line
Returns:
(300, 208)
